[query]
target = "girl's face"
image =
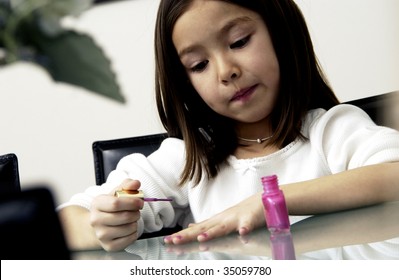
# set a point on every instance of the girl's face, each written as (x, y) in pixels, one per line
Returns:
(229, 58)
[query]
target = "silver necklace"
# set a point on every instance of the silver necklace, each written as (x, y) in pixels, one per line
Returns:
(259, 140)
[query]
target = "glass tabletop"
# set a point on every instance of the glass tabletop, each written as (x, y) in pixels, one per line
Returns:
(370, 233)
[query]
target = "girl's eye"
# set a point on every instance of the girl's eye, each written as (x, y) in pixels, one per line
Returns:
(240, 43)
(200, 66)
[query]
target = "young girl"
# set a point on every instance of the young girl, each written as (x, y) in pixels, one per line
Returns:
(241, 95)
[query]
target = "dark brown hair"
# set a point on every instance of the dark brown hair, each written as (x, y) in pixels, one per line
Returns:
(184, 114)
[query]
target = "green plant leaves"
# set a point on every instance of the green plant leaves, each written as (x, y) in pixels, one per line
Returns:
(75, 58)
(31, 31)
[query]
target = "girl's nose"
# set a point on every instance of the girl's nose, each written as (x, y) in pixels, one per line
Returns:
(228, 71)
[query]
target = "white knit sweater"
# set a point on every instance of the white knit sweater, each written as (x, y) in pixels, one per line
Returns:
(340, 139)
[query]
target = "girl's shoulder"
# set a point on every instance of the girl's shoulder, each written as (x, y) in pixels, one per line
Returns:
(338, 118)
(171, 147)
(172, 143)
(338, 111)
(346, 137)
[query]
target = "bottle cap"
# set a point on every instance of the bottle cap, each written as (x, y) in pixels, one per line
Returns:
(127, 193)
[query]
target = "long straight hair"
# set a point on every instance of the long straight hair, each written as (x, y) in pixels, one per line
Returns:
(209, 137)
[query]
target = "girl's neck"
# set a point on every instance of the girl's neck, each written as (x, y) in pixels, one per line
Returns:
(254, 150)
(250, 133)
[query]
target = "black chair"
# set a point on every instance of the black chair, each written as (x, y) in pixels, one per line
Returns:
(380, 108)
(9, 174)
(107, 154)
(29, 226)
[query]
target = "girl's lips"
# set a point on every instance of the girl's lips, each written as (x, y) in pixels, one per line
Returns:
(244, 93)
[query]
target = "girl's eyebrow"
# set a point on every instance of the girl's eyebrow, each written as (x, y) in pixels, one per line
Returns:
(234, 22)
(224, 30)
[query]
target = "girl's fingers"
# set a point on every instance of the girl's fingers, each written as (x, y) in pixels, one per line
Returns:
(211, 229)
(129, 184)
(124, 237)
(111, 204)
(199, 232)
(218, 230)
(116, 219)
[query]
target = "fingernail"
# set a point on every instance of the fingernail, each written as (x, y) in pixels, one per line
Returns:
(243, 231)
(178, 237)
(167, 239)
(203, 236)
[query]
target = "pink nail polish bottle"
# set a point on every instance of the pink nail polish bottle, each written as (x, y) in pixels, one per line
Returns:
(276, 213)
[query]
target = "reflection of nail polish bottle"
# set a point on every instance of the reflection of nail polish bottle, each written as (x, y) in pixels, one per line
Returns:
(282, 246)
(276, 213)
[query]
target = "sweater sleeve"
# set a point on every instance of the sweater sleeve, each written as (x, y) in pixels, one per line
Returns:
(159, 174)
(347, 138)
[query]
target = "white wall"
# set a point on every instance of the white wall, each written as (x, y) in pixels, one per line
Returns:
(357, 42)
(51, 126)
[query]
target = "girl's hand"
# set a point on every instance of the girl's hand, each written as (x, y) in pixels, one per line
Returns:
(114, 219)
(257, 243)
(243, 218)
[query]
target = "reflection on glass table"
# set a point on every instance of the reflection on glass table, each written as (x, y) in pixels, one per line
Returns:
(367, 233)
(282, 246)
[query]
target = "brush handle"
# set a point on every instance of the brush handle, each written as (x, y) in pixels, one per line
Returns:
(151, 199)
